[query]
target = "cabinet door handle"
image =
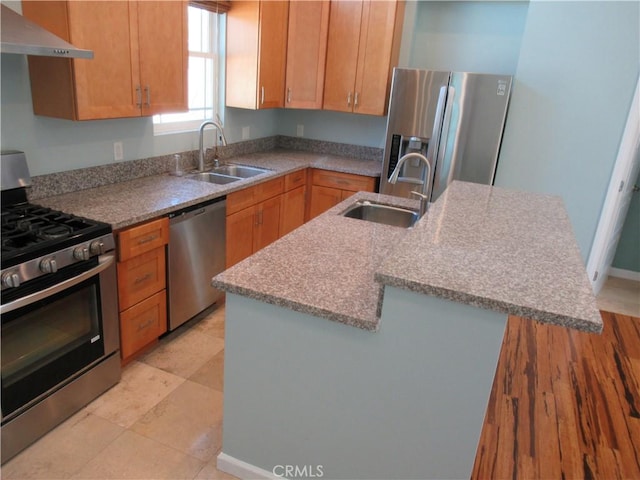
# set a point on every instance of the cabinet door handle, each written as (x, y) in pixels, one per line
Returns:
(289, 95)
(349, 100)
(146, 324)
(142, 279)
(138, 96)
(355, 100)
(262, 95)
(147, 91)
(150, 238)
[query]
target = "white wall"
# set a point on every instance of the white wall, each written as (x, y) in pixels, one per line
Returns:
(577, 71)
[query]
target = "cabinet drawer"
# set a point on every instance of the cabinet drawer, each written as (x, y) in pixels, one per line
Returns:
(140, 277)
(143, 323)
(143, 238)
(344, 181)
(237, 201)
(295, 180)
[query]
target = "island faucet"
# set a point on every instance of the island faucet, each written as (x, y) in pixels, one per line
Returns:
(224, 142)
(426, 185)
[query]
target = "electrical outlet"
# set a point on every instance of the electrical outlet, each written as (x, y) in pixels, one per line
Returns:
(118, 151)
(246, 133)
(300, 131)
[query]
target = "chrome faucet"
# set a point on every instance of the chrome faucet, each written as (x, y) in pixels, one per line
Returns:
(426, 185)
(224, 142)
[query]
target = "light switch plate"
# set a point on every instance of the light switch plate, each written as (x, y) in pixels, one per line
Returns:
(246, 133)
(300, 131)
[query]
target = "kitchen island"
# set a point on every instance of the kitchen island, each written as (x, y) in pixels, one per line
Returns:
(396, 383)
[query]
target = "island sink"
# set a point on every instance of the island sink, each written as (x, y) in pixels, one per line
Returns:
(379, 213)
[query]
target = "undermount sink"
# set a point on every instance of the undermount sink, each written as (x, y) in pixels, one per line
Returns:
(241, 171)
(379, 213)
(227, 173)
(212, 177)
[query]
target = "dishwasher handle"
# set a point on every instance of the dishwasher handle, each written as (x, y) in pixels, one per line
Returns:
(194, 211)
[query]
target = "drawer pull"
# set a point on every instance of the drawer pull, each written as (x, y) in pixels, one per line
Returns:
(147, 324)
(150, 238)
(342, 182)
(141, 279)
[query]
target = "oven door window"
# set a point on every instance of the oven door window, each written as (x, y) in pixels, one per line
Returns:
(48, 342)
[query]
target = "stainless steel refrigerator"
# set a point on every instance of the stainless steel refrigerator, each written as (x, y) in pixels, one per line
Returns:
(454, 119)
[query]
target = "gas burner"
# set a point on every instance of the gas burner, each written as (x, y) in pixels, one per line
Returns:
(55, 231)
(30, 231)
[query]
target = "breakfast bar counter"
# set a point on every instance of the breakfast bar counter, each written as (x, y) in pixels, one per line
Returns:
(404, 393)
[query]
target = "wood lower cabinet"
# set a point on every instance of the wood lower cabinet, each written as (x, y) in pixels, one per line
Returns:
(294, 201)
(142, 324)
(330, 188)
(139, 66)
(142, 286)
(253, 219)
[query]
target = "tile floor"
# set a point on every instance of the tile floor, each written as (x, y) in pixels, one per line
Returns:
(162, 421)
(620, 295)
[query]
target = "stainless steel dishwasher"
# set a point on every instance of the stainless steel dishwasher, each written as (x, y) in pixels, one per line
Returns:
(197, 240)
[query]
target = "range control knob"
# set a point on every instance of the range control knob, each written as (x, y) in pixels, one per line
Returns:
(81, 253)
(10, 279)
(96, 247)
(48, 265)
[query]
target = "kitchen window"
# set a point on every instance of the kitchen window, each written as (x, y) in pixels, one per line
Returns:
(205, 30)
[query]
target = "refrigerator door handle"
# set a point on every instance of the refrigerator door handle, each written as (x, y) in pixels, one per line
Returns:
(446, 126)
(432, 149)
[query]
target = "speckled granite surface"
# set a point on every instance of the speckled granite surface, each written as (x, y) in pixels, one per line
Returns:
(504, 250)
(324, 268)
(134, 201)
(92, 177)
(492, 248)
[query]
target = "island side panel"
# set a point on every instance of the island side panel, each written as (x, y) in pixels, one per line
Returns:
(407, 401)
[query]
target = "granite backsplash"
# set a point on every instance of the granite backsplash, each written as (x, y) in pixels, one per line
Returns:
(91, 177)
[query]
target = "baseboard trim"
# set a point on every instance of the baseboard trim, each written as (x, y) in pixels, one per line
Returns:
(244, 470)
(626, 274)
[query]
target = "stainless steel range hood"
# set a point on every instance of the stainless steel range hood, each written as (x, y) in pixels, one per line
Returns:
(22, 36)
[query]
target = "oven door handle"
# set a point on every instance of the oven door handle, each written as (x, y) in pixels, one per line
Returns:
(105, 262)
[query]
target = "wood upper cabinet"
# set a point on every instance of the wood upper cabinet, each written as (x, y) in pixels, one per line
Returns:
(256, 54)
(362, 49)
(139, 66)
(306, 53)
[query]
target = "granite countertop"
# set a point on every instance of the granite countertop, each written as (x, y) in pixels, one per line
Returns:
(131, 202)
(500, 249)
(489, 247)
(324, 268)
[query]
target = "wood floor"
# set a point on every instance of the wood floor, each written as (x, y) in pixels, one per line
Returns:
(564, 404)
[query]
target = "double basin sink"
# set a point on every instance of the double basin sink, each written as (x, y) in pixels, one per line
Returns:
(227, 174)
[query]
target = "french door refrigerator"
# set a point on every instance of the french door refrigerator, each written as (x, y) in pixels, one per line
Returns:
(454, 119)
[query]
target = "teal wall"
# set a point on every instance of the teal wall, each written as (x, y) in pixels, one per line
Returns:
(481, 37)
(575, 64)
(577, 71)
(628, 252)
(53, 145)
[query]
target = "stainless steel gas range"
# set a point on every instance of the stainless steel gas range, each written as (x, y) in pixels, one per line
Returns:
(60, 340)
